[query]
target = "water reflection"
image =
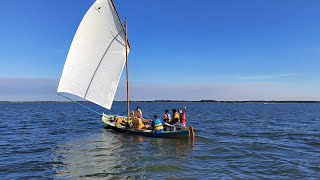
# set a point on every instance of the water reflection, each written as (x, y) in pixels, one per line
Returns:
(87, 156)
(111, 154)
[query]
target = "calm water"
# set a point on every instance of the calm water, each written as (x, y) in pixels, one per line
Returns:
(255, 141)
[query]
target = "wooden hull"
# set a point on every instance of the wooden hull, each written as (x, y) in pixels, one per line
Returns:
(187, 133)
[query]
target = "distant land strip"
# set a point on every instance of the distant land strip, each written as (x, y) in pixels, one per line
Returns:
(169, 101)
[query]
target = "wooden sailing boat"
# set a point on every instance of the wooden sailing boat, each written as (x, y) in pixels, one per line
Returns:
(96, 60)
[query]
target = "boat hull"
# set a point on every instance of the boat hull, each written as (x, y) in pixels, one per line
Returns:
(164, 134)
(187, 133)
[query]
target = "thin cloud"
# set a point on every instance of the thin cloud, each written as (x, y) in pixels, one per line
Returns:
(267, 77)
(45, 90)
(27, 89)
(218, 91)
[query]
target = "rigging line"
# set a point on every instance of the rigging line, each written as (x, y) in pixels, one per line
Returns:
(119, 19)
(81, 105)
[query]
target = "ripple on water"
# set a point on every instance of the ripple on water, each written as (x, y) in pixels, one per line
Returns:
(233, 141)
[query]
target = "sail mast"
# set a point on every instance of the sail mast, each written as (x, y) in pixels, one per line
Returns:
(124, 29)
(127, 72)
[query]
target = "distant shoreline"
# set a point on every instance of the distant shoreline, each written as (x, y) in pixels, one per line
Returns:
(165, 101)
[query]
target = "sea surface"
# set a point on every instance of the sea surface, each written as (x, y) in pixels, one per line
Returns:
(233, 141)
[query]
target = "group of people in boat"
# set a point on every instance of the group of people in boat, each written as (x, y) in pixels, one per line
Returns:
(167, 123)
(178, 117)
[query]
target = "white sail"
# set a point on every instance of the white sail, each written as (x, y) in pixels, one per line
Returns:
(96, 57)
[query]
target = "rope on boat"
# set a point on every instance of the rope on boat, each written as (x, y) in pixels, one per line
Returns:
(81, 105)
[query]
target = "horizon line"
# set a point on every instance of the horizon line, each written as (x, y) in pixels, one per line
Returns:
(213, 101)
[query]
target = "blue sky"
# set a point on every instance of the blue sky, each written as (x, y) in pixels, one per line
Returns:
(227, 50)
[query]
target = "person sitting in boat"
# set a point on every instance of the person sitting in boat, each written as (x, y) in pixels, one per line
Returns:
(166, 116)
(119, 121)
(158, 124)
(131, 119)
(183, 116)
(176, 117)
(138, 124)
(138, 113)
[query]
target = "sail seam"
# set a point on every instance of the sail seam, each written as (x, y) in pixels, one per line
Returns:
(85, 95)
